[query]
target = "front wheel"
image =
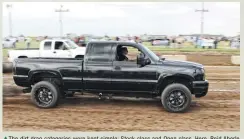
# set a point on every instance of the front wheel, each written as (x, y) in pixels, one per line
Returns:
(176, 98)
(45, 94)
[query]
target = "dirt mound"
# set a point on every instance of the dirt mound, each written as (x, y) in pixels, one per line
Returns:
(220, 60)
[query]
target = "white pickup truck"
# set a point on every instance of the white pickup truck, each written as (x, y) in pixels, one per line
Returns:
(50, 48)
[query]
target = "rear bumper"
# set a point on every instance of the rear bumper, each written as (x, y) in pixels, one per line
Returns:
(200, 88)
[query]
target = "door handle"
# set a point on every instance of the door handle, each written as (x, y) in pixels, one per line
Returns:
(117, 68)
(54, 52)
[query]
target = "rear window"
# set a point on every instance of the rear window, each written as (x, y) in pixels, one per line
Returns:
(47, 45)
(100, 52)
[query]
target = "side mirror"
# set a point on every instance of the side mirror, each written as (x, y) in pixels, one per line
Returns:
(141, 60)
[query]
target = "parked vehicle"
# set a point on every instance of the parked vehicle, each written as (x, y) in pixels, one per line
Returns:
(206, 43)
(160, 42)
(9, 43)
(101, 73)
(235, 43)
(56, 48)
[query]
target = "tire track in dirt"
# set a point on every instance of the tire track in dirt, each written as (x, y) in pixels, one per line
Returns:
(127, 118)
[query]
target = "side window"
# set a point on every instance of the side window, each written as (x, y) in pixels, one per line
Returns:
(100, 52)
(59, 45)
(47, 45)
(127, 53)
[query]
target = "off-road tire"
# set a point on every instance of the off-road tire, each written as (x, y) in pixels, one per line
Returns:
(185, 94)
(46, 85)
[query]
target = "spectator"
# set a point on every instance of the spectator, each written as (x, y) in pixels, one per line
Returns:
(173, 42)
(82, 41)
(28, 42)
(215, 43)
(78, 41)
(137, 39)
(168, 41)
(117, 39)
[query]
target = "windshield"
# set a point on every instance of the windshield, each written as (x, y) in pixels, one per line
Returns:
(71, 45)
(152, 54)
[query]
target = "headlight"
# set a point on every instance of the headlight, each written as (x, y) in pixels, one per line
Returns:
(199, 71)
(200, 74)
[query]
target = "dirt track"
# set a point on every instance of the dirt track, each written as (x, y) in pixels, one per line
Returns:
(218, 111)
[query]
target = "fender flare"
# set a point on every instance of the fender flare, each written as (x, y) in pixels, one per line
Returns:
(162, 78)
(32, 73)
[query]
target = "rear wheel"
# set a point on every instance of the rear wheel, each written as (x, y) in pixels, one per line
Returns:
(45, 94)
(176, 98)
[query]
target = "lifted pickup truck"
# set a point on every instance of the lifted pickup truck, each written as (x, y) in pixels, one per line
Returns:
(52, 48)
(101, 72)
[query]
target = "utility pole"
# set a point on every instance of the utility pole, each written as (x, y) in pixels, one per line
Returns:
(61, 10)
(202, 17)
(9, 7)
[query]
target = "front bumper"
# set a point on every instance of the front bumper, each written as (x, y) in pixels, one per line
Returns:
(200, 88)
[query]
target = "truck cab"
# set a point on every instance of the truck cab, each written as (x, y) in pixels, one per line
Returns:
(60, 49)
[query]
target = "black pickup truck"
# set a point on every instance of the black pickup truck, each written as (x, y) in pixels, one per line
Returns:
(102, 72)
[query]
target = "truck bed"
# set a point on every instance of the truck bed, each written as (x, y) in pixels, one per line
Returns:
(65, 68)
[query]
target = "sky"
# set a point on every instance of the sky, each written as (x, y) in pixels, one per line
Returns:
(122, 18)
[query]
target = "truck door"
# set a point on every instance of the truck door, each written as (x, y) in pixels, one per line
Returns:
(46, 49)
(61, 50)
(98, 67)
(128, 76)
